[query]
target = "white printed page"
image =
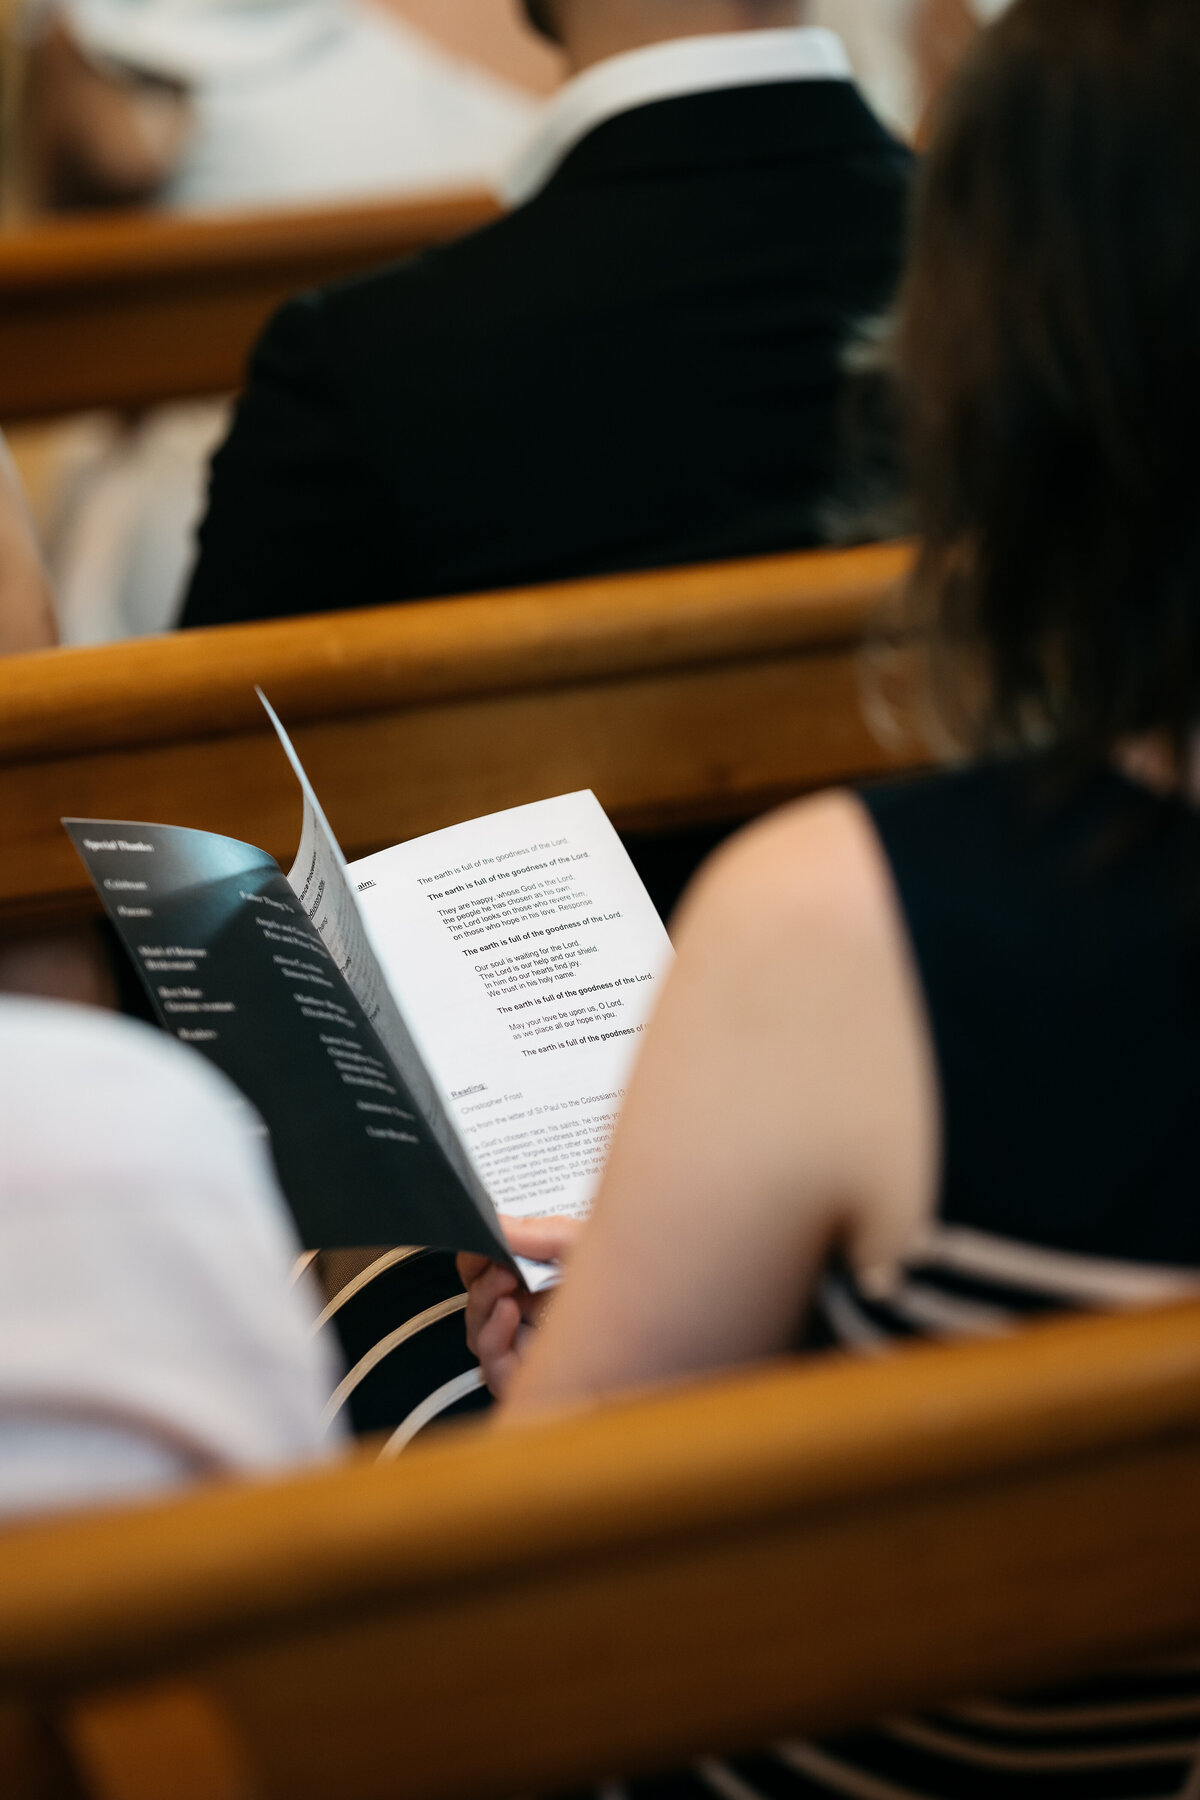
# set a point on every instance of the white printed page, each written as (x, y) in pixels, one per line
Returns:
(526, 956)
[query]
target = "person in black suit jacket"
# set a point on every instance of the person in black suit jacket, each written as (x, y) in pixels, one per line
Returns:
(637, 366)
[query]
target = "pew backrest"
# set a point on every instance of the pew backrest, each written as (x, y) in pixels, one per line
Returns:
(677, 695)
(788, 1551)
(126, 310)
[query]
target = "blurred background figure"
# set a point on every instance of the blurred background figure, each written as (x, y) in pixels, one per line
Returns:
(210, 104)
(185, 104)
(26, 605)
(903, 51)
(213, 102)
(640, 365)
(69, 964)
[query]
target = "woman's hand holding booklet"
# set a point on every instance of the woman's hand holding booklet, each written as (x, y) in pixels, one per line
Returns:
(501, 1308)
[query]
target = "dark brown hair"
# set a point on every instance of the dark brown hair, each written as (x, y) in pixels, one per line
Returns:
(1048, 344)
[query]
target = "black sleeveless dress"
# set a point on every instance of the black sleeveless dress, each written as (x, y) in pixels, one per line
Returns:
(1057, 937)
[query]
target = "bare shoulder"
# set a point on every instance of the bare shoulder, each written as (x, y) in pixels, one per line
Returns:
(794, 944)
(814, 867)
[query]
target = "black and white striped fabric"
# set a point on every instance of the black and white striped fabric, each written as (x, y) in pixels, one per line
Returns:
(962, 1282)
(1134, 1735)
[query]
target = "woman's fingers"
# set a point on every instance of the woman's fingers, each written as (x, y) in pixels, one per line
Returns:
(470, 1266)
(501, 1312)
(496, 1345)
(494, 1284)
(542, 1240)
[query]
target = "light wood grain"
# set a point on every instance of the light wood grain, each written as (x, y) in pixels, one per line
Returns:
(128, 309)
(786, 1550)
(112, 695)
(676, 695)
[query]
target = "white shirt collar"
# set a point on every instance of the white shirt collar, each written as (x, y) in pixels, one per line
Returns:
(692, 65)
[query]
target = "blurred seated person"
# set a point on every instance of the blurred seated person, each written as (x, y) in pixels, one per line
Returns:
(214, 103)
(189, 104)
(149, 1334)
(639, 366)
(71, 964)
(928, 1061)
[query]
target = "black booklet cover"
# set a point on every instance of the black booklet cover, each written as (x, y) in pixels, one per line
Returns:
(234, 967)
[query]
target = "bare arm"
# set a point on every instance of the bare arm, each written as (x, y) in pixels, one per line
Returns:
(785, 1102)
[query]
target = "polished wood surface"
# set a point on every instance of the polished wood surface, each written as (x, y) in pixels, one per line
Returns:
(126, 310)
(786, 1550)
(676, 695)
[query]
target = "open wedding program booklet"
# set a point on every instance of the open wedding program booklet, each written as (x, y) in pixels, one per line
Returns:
(430, 1034)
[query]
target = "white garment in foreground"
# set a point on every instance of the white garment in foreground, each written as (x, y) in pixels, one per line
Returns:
(148, 1333)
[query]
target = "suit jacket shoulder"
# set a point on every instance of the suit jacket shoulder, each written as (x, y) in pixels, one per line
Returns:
(637, 367)
(293, 521)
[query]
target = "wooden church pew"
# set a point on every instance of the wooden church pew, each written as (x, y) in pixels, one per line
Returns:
(125, 310)
(785, 1551)
(678, 695)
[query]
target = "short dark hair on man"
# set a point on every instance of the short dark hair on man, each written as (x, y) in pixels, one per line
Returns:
(1049, 347)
